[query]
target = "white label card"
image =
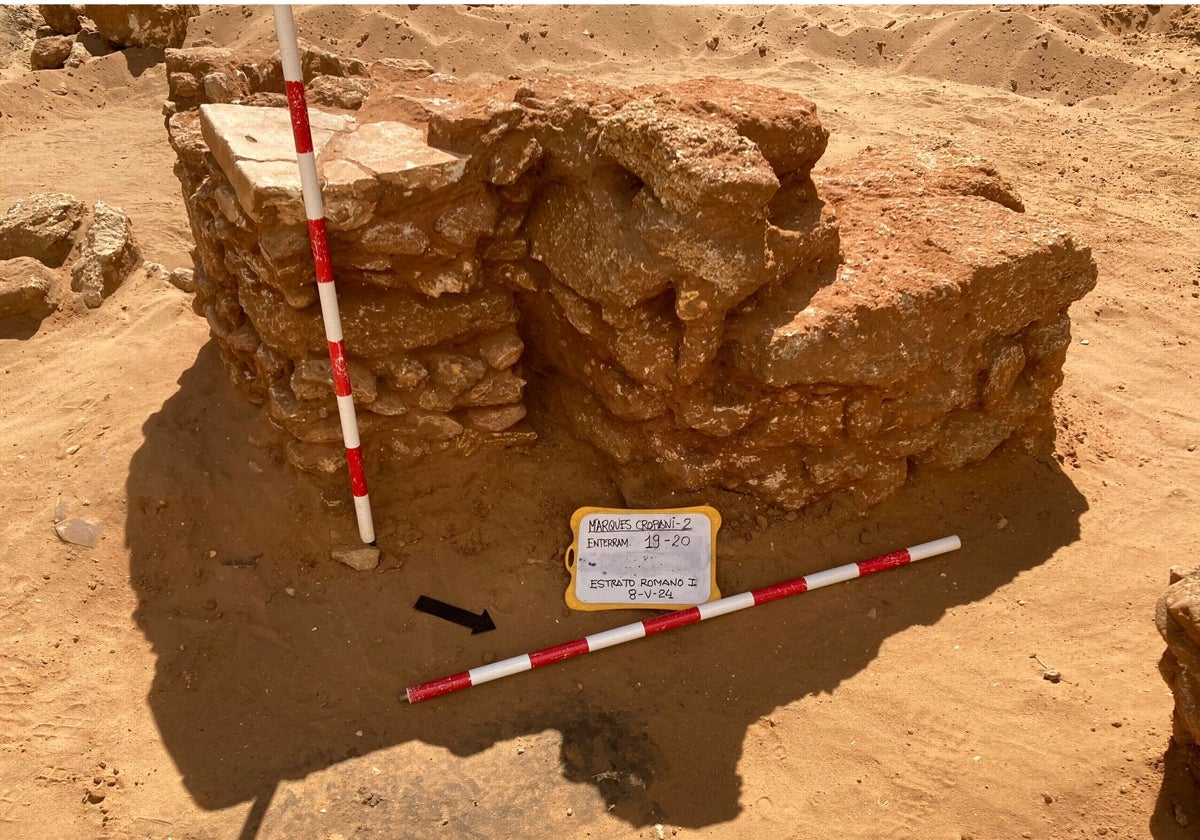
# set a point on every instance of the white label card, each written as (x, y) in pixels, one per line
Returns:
(661, 558)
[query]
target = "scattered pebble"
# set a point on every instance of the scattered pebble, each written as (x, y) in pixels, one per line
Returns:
(361, 558)
(1180, 816)
(290, 591)
(84, 532)
(73, 448)
(1047, 798)
(210, 553)
(1191, 447)
(1084, 341)
(1001, 523)
(713, 42)
(570, 812)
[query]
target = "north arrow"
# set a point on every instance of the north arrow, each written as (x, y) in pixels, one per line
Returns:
(477, 623)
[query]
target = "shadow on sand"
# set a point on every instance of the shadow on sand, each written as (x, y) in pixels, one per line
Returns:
(275, 662)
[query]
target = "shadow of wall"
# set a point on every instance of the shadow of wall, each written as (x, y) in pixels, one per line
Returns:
(272, 658)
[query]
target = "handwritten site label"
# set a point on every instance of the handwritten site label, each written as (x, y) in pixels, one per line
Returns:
(642, 558)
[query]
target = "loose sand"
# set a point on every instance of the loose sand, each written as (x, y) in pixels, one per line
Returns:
(193, 696)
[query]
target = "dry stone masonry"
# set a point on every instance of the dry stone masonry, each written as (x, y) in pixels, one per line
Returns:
(705, 312)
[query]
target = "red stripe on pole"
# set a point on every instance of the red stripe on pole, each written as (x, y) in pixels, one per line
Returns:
(298, 106)
(358, 478)
(320, 250)
(341, 371)
(887, 561)
(437, 688)
(558, 653)
(671, 620)
(779, 590)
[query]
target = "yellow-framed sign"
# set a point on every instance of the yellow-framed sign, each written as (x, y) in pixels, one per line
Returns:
(651, 559)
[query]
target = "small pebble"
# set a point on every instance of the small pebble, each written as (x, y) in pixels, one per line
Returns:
(210, 553)
(1047, 798)
(73, 448)
(570, 812)
(1084, 341)
(1191, 447)
(1001, 523)
(290, 591)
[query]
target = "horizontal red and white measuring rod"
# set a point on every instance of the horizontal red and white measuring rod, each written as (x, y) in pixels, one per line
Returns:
(659, 624)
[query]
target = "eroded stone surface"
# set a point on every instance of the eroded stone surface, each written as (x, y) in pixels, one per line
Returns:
(1177, 617)
(41, 226)
(705, 313)
(63, 18)
(26, 288)
(50, 53)
(142, 26)
(109, 254)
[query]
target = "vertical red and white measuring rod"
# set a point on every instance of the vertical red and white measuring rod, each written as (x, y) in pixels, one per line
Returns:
(314, 210)
(659, 624)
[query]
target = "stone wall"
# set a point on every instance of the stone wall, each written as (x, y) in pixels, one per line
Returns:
(707, 313)
(1178, 619)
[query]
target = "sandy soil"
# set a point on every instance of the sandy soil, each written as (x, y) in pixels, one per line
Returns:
(202, 697)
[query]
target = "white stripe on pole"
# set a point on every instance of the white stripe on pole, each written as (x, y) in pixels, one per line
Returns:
(930, 549)
(349, 421)
(314, 208)
(289, 47)
(330, 313)
(828, 577)
(503, 668)
(726, 605)
(616, 636)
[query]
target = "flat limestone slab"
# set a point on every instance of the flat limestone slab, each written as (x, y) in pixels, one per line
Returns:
(398, 154)
(255, 149)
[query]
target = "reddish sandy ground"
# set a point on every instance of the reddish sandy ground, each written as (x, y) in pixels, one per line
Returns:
(204, 699)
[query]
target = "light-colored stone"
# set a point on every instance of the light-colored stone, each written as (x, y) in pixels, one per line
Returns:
(79, 55)
(109, 255)
(78, 531)
(41, 226)
(26, 288)
(256, 150)
(495, 418)
(398, 154)
(362, 558)
(50, 53)
(143, 25)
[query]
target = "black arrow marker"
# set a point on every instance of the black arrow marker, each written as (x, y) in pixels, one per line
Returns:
(477, 623)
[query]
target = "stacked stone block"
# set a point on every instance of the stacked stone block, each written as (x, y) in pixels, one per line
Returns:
(704, 312)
